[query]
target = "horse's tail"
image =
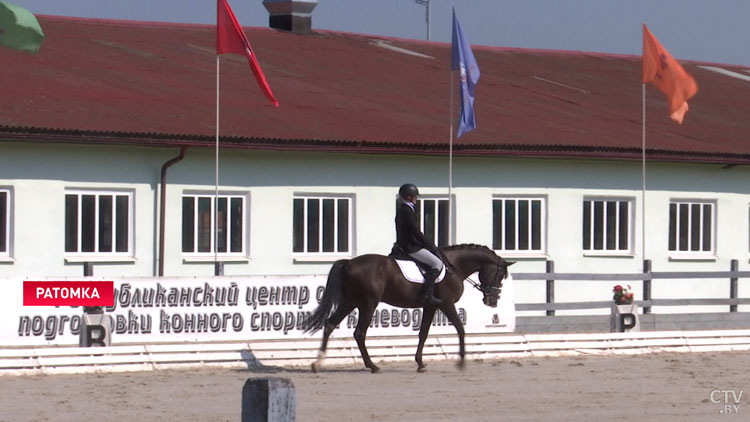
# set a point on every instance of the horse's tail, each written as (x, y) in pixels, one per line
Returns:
(330, 300)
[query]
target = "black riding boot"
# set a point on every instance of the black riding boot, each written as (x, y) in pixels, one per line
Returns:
(425, 295)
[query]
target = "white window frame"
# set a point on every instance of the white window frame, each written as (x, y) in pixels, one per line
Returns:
(689, 253)
(592, 251)
(96, 255)
(436, 231)
(7, 253)
(211, 254)
(320, 255)
(532, 253)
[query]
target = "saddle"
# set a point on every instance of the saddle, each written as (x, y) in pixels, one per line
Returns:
(412, 269)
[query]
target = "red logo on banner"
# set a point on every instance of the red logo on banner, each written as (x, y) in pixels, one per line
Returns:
(68, 293)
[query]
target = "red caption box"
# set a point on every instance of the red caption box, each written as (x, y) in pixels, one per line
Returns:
(68, 293)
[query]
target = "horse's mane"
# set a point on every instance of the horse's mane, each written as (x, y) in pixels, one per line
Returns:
(465, 246)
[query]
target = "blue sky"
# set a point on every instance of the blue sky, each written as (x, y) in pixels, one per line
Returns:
(702, 30)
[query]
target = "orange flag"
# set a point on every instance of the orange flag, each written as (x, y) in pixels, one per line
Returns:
(662, 70)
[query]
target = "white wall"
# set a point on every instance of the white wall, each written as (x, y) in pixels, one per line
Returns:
(39, 173)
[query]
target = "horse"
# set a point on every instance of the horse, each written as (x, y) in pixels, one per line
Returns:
(365, 281)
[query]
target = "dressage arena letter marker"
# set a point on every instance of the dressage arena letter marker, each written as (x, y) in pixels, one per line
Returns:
(268, 400)
(68, 293)
(96, 330)
(627, 321)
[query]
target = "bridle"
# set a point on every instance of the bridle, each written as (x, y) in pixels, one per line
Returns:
(487, 290)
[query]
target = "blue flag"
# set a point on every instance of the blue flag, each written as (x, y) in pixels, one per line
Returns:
(463, 61)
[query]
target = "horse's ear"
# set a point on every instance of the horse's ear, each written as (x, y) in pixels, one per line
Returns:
(509, 263)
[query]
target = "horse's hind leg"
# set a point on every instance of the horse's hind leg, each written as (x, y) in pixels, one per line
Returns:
(334, 320)
(360, 333)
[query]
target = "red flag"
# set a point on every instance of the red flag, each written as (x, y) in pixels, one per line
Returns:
(662, 70)
(231, 39)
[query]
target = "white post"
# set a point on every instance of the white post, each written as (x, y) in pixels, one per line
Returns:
(426, 4)
(450, 168)
(269, 400)
(216, 169)
(428, 19)
(643, 179)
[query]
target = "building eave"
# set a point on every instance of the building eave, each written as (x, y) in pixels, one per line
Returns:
(66, 136)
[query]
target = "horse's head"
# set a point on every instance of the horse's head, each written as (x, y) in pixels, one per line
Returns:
(468, 259)
(491, 276)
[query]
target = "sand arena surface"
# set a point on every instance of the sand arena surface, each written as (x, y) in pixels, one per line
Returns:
(663, 386)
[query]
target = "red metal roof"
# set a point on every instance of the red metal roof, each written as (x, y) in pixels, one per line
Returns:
(154, 83)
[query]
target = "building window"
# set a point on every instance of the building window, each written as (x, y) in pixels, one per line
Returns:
(201, 231)
(691, 226)
(98, 223)
(607, 225)
(518, 225)
(434, 221)
(322, 225)
(4, 222)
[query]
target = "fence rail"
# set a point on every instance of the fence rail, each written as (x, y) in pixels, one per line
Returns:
(299, 352)
(654, 275)
(550, 306)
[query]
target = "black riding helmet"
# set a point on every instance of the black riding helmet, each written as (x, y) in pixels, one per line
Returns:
(408, 189)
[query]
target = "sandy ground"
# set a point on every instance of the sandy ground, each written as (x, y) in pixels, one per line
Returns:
(665, 387)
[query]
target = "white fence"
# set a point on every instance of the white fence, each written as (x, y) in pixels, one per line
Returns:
(54, 360)
(647, 276)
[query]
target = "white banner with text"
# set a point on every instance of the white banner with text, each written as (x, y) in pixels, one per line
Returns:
(179, 309)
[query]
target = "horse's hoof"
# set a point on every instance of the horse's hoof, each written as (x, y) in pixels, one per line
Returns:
(374, 370)
(461, 364)
(421, 369)
(314, 368)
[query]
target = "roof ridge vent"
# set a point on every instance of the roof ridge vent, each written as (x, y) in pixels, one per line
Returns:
(291, 15)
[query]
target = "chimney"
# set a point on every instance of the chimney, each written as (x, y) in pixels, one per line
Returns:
(291, 15)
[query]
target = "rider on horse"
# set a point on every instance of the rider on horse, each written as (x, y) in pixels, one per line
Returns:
(412, 241)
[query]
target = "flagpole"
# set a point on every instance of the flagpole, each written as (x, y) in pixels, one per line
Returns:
(450, 166)
(643, 178)
(216, 185)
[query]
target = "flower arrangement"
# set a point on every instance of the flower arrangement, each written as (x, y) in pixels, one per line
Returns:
(622, 296)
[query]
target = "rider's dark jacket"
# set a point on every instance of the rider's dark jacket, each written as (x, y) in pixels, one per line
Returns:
(408, 235)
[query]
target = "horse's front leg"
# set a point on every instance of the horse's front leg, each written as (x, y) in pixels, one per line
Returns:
(424, 330)
(450, 311)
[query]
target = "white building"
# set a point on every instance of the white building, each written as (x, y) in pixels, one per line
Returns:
(552, 172)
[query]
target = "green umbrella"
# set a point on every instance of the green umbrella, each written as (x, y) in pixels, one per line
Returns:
(19, 28)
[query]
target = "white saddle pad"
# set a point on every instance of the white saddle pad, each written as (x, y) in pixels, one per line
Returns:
(411, 272)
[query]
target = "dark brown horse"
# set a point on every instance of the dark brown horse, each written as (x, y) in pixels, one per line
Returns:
(367, 280)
